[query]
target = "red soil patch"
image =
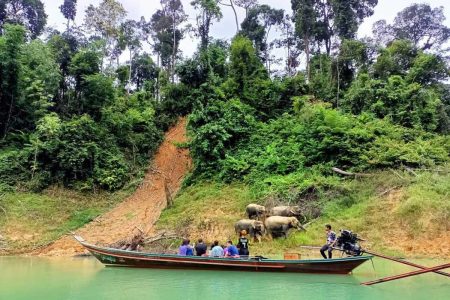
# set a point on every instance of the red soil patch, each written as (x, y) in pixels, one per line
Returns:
(143, 208)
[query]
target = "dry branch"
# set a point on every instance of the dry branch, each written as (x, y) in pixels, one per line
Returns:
(162, 236)
(389, 190)
(345, 173)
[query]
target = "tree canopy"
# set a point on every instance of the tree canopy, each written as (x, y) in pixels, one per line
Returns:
(86, 106)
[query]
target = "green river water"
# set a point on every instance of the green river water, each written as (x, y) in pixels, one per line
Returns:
(84, 278)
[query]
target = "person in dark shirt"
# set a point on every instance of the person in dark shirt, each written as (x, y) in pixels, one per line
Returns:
(200, 248)
(331, 240)
(242, 244)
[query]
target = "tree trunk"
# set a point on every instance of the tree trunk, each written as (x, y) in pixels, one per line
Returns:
(338, 81)
(288, 44)
(235, 16)
(129, 75)
(266, 52)
(5, 132)
(174, 52)
(158, 94)
(308, 66)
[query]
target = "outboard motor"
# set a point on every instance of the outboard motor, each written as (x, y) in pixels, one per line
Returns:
(348, 242)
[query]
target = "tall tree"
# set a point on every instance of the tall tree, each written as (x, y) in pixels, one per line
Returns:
(289, 41)
(130, 38)
(144, 70)
(69, 10)
(257, 26)
(230, 3)
(105, 20)
(319, 21)
(246, 71)
(418, 23)
(305, 27)
(10, 50)
(38, 83)
(348, 15)
(246, 4)
(64, 46)
(174, 9)
(164, 29)
(207, 12)
(29, 13)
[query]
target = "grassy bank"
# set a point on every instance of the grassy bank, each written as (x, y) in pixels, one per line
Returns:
(30, 220)
(397, 212)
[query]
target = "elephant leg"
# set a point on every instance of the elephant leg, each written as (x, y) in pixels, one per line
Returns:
(285, 231)
(251, 232)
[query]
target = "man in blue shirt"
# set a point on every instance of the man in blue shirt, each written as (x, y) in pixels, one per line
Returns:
(331, 240)
(232, 250)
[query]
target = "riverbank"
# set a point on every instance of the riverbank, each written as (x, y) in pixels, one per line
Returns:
(397, 212)
(30, 221)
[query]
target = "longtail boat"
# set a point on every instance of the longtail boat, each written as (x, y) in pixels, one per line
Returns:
(124, 258)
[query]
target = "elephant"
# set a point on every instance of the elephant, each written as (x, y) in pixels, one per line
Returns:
(287, 211)
(279, 226)
(255, 211)
(255, 229)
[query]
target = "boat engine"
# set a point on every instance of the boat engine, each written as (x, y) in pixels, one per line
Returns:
(347, 241)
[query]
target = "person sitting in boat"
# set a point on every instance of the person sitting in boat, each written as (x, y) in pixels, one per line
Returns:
(185, 248)
(217, 250)
(200, 248)
(225, 250)
(331, 240)
(242, 244)
(232, 251)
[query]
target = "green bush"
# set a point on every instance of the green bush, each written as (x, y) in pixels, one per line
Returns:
(298, 150)
(216, 129)
(14, 165)
(404, 103)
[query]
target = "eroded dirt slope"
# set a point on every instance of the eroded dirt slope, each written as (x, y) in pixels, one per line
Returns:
(143, 208)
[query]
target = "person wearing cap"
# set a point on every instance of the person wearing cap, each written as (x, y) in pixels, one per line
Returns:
(242, 244)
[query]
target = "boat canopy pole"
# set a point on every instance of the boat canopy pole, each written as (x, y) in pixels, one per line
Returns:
(405, 262)
(388, 258)
(404, 275)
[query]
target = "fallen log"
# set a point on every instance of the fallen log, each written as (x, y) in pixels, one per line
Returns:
(345, 173)
(409, 274)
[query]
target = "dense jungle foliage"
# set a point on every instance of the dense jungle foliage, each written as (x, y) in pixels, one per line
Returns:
(86, 106)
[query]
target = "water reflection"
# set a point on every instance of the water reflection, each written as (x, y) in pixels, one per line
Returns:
(40, 278)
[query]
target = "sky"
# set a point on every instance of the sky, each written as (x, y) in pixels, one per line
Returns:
(226, 28)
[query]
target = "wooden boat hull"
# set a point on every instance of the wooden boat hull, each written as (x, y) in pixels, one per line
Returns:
(122, 258)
